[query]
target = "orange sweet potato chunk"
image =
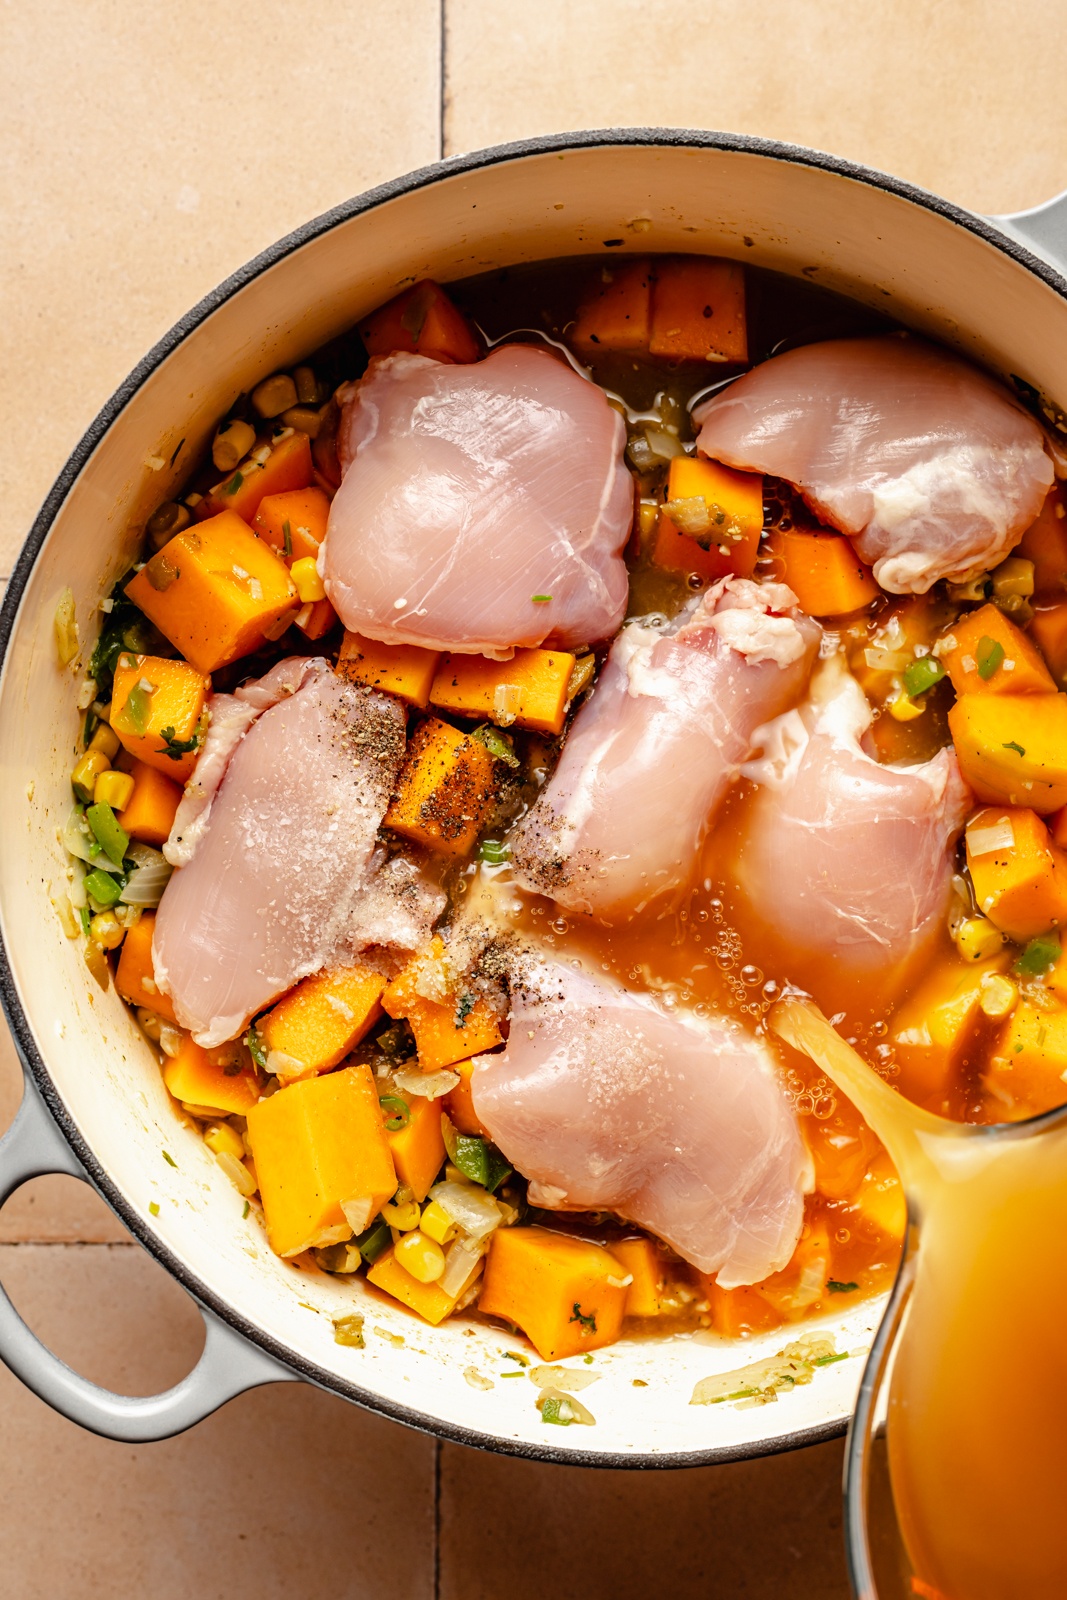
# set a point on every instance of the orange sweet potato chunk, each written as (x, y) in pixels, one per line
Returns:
(135, 979)
(157, 706)
(149, 816)
(614, 314)
(320, 1021)
(823, 571)
(698, 309)
(992, 656)
(406, 670)
(445, 790)
(422, 320)
(205, 1079)
(567, 1295)
(529, 691)
(731, 504)
(289, 466)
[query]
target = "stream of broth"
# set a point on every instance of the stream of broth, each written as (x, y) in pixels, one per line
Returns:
(977, 1407)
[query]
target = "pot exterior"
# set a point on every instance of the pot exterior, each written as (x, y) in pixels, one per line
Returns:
(904, 253)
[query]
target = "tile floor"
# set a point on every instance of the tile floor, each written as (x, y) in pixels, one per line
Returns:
(144, 153)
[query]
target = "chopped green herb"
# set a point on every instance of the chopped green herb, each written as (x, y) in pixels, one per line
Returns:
(349, 1331)
(540, 599)
(836, 1287)
(828, 1361)
(233, 485)
(1040, 954)
(374, 1241)
(104, 889)
(480, 1161)
(398, 1111)
(246, 1210)
(988, 656)
(127, 628)
(257, 1047)
(112, 839)
(493, 852)
(89, 726)
(176, 748)
(153, 1208)
(83, 918)
(1011, 745)
(287, 538)
(169, 1159)
(588, 1360)
(511, 1374)
(587, 1319)
(498, 744)
(922, 674)
(464, 1006)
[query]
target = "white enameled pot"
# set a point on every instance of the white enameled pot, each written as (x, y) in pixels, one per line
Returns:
(95, 1105)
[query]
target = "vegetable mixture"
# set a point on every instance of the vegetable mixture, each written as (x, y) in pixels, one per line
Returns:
(525, 693)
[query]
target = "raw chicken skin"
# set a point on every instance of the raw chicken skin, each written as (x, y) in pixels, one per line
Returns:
(653, 751)
(843, 856)
(927, 463)
(467, 491)
(279, 869)
(605, 1100)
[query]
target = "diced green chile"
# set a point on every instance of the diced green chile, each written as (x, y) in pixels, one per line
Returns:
(104, 889)
(374, 1241)
(988, 656)
(480, 1161)
(922, 674)
(1040, 954)
(398, 1112)
(113, 840)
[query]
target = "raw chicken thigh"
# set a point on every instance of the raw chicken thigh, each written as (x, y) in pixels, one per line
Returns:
(842, 856)
(653, 751)
(928, 464)
(604, 1099)
(279, 869)
(470, 490)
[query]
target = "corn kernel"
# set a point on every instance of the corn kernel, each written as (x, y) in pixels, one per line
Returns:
(305, 574)
(977, 939)
(231, 444)
(904, 708)
(274, 395)
(420, 1256)
(403, 1217)
(1014, 577)
(86, 772)
(106, 739)
(998, 996)
(106, 930)
(437, 1224)
(114, 789)
(307, 389)
(220, 1136)
(305, 419)
(647, 517)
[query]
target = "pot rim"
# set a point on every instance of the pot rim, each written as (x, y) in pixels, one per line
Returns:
(421, 177)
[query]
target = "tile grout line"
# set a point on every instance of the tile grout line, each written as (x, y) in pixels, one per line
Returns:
(437, 1519)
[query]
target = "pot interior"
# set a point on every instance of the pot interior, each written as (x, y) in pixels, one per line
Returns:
(884, 248)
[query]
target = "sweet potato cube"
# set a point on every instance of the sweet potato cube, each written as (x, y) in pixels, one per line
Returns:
(418, 1148)
(737, 1313)
(992, 656)
(566, 1294)
(322, 1159)
(930, 1031)
(726, 507)
(288, 466)
(448, 1030)
(1012, 748)
(823, 571)
(149, 816)
(135, 978)
(459, 1104)
(446, 788)
(1049, 627)
(215, 591)
(1045, 544)
(647, 1267)
(429, 1300)
(530, 690)
(698, 309)
(316, 1024)
(1019, 875)
(293, 523)
(405, 670)
(206, 1080)
(315, 619)
(1025, 1074)
(157, 706)
(615, 313)
(880, 1199)
(422, 320)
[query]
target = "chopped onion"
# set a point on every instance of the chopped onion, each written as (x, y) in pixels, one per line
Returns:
(79, 840)
(470, 1208)
(566, 1408)
(358, 1213)
(427, 1085)
(462, 1262)
(999, 835)
(886, 660)
(149, 877)
(569, 1378)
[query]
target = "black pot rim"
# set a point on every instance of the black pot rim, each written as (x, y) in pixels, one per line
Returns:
(422, 177)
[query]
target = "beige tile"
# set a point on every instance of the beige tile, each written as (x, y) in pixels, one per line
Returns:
(765, 1530)
(278, 1495)
(147, 151)
(932, 93)
(47, 1208)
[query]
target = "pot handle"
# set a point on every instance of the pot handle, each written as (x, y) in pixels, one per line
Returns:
(1042, 229)
(34, 1147)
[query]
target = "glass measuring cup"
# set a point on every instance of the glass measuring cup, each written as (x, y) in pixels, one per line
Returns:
(956, 1472)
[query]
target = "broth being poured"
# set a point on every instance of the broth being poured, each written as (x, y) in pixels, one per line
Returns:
(977, 1409)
